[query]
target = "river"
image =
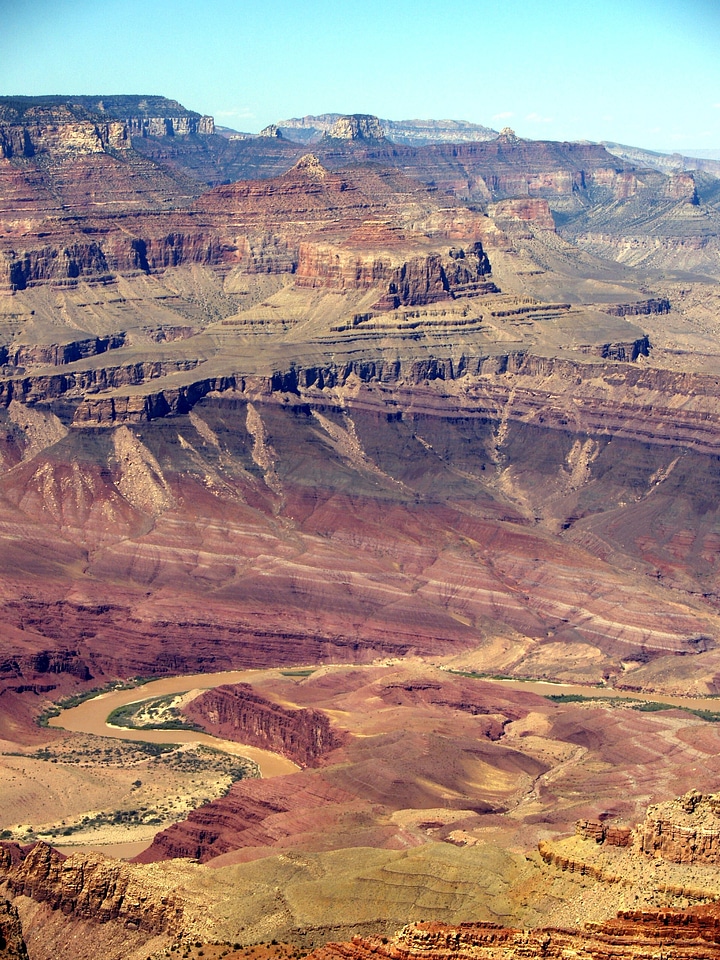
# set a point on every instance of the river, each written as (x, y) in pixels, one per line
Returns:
(91, 716)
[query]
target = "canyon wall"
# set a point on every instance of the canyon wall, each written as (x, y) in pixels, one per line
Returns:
(89, 886)
(238, 713)
(632, 936)
(685, 830)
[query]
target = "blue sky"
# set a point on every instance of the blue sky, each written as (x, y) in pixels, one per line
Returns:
(644, 72)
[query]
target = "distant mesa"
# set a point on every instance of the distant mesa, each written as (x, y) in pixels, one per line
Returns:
(357, 126)
(310, 129)
(143, 116)
(272, 130)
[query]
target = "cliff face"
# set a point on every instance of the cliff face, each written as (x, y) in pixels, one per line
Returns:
(357, 127)
(87, 886)
(632, 936)
(238, 713)
(12, 944)
(686, 830)
(70, 126)
(61, 139)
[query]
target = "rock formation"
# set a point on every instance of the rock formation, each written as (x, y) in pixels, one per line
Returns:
(89, 886)
(311, 129)
(632, 936)
(12, 944)
(358, 126)
(238, 713)
(685, 830)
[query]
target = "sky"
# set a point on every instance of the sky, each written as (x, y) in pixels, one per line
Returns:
(640, 72)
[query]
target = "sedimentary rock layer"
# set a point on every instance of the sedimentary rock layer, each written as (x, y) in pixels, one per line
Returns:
(238, 713)
(89, 886)
(632, 936)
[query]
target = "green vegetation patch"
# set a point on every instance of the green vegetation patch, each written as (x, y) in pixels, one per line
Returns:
(645, 706)
(75, 699)
(204, 771)
(155, 713)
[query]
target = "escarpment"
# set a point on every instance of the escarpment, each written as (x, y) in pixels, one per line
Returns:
(238, 713)
(632, 936)
(685, 830)
(71, 125)
(88, 886)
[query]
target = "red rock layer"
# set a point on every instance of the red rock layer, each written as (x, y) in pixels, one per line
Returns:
(255, 815)
(238, 713)
(632, 936)
(610, 834)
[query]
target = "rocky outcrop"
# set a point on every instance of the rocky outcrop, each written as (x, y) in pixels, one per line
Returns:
(12, 944)
(89, 886)
(686, 830)
(535, 211)
(61, 139)
(312, 128)
(632, 935)
(681, 186)
(170, 126)
(64, 264)
(140, 408)
(271, 130)
(611, 834)
(30, 388)
(415, 281)
(238, 713)
(59, 354)
(655, 305)
(358, 126)
(70, 126)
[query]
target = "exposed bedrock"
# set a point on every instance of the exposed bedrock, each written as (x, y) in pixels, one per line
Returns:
(685, 830)
(45, 662)
(640, 308)
(611, 834)
(631, 936)
(87, 886)
(646, 404)
(68, 260)
(392, 536)
(59, 354)
(409, 277)
(31, 388)
(417, 281)
(12, 944)
(148, 406)
(238, 713)
(533, 210)
(61, 138)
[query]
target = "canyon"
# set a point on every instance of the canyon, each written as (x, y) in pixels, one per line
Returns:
(376, 420)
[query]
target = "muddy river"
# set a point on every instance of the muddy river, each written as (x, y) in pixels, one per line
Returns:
(91, 717)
